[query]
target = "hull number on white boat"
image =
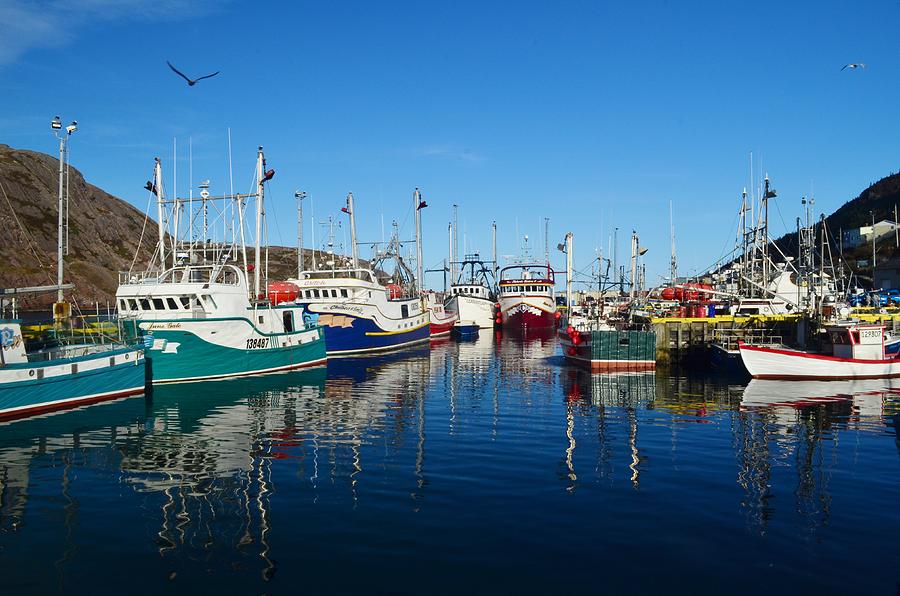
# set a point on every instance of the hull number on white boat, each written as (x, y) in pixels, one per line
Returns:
(256, 343)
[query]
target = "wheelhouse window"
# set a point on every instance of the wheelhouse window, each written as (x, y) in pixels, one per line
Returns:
(288, 318)
(170, 302)
(343, 293)
(145, 303)
(158, 304)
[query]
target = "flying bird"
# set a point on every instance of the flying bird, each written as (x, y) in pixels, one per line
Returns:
(190, 82)
(859, 65)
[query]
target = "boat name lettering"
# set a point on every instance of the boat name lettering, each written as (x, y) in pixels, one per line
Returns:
(257, 343)
(343, 307)
(152, 326)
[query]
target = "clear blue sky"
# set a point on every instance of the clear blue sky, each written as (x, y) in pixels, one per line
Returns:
(593, 114)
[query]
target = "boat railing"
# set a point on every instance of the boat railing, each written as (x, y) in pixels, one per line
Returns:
(358, 274)
(730, 338)
(75, 331)
(211, 273)
(71, 351)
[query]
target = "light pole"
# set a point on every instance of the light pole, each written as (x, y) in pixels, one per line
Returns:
(56, 126)
(300, 195)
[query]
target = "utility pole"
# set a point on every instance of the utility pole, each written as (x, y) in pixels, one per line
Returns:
(56, 125)
(873, 248)
(896, 232)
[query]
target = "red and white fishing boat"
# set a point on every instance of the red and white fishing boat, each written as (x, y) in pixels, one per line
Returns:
(526, 297)
(857, 352)
(442, 321)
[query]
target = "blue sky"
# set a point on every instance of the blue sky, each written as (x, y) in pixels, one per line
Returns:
(593, 114)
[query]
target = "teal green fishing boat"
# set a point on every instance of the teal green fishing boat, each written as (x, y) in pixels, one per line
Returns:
(198, 313)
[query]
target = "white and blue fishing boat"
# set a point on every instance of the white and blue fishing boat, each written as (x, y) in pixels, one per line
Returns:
(199, 314)
(362, 311)
(63, 375)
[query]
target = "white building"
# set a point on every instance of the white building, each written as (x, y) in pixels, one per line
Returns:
(863, 235)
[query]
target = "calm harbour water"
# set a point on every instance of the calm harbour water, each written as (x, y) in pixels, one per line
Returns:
(485, 466)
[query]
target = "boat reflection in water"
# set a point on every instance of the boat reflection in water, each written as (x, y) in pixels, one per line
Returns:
(613, 396)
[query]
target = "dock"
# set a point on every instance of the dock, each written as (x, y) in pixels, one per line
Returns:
(688, 340)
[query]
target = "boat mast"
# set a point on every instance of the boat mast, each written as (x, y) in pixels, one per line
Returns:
(418, 205)
(454, 243)
(570, 269)
(494, 246)
(299, 195)
(450, 251)
(160, 211)
(259, 213)
(673, 265)
(821, 298)
(547, 239)
(353, 250)
(634, 252)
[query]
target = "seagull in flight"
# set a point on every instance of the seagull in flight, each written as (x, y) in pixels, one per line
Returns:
(190, 82)
(854, 66)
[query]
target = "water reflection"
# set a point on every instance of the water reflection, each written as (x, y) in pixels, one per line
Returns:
(211, 475)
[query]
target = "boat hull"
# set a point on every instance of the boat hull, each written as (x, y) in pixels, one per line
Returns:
(524, 312)
(441, 329)
(70, 382)
(471, 308)
(774, 363)
(208, 349)
(352, 335)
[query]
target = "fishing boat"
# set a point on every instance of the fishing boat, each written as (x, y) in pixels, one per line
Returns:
(360, 311)
(610, 350)
(66, 373)
(199, 314)
(526, 297)
(442, 320)
(852, 351)
(472, 296)
(65, 376)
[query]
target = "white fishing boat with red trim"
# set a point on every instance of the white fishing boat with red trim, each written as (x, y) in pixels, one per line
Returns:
(526, 297)
(853, 351)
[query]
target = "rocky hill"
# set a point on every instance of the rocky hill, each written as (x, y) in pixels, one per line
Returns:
(879, 199)
(103, 232)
